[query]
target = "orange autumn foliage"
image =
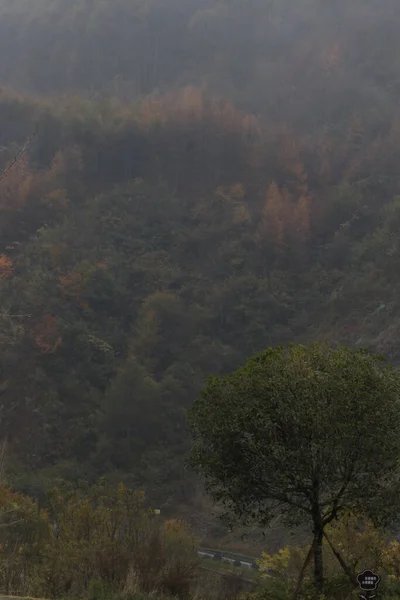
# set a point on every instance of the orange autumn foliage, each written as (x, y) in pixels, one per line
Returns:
(16, 186)
(6, 267)
(284, 215)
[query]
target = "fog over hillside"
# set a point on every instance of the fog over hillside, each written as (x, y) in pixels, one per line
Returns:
(310, 62)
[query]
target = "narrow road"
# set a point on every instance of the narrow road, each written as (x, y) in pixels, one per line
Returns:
(236, 562)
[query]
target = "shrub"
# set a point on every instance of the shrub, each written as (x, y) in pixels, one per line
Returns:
(165, 560)
(100, 544)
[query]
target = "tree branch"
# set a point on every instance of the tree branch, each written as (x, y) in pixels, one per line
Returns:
(302, 572)
(335, 503)
(12, 523)
(284, 499)
(345, 568)
(277, 495)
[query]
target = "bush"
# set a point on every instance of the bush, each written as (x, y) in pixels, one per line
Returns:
(165, 560)
(24, 533)
(214, 586)
(105, 543)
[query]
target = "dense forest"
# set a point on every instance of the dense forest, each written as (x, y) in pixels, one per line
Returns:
(184, 183)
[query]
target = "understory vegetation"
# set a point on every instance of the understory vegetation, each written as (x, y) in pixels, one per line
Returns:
(106, 543)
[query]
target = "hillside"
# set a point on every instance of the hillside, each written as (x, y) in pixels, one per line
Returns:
(152, 236)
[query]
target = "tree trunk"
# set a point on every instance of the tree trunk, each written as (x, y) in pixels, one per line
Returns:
(318, 561)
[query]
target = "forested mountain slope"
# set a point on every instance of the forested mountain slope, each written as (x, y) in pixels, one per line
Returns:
(148, 241)
(132, 268)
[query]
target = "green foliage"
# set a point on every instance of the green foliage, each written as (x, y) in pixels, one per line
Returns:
(269, 426)
(303, 432)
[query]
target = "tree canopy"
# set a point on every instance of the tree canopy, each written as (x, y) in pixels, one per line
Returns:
(306, 431)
